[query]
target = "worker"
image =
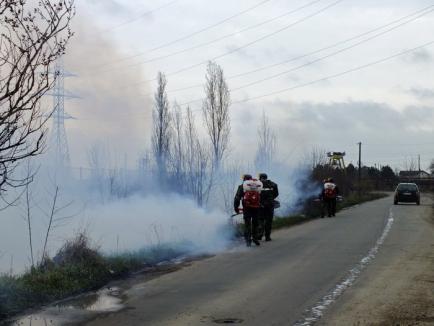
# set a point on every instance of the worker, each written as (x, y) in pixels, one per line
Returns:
(248, 194)
(328, 196)
(269, 193)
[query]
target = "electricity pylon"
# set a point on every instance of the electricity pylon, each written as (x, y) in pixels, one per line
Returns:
(59, 140)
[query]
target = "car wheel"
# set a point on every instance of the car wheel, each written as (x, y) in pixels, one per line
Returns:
(395, 203)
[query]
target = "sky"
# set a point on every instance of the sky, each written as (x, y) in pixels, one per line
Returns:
(343, 81)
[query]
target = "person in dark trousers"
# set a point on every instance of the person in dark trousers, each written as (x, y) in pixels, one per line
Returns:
(269, 193)
(248, 194)
(328, 196)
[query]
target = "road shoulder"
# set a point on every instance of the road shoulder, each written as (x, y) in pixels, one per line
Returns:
(398, 288)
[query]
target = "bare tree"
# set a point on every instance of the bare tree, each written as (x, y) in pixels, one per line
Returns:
(55, 217)
(98, 156)
(216, 112)
(29, 223)
(30, 173)
(266, 145)
(227, 186)
(317, 156)
(50, 221)
(177, 151)
(199, 172)
(410, 164)
(162, 131)
(32, 37)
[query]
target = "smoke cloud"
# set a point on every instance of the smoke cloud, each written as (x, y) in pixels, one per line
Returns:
(115, 224)
(110, 108)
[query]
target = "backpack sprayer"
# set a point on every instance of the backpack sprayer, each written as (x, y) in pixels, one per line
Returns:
(276, 204)
(338, 199)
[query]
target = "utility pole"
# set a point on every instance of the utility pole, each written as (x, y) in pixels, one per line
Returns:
(418, 159)
(360, 167)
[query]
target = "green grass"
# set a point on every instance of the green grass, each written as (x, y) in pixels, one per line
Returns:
(314, 210)
(355, 199)
(285, 222)
(75, 269)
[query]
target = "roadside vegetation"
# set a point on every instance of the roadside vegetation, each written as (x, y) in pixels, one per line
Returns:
(76, 268)
(312, 209)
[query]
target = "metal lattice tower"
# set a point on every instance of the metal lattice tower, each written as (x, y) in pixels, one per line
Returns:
(336, 159)
(59, 140)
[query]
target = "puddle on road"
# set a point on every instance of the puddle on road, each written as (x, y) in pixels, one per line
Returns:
(79, 309)
(74, 310)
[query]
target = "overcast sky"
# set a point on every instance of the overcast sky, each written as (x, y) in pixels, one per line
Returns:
(120, 45)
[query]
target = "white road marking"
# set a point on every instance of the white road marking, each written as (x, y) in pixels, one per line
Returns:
(315, 313)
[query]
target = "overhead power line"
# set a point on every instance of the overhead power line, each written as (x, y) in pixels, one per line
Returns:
(414, 16)
(423, 11)
(373, 63)
(286, 27)
(329, 77)
(328, 55)
(251, 27)
(188, 36)
(320, 79)
(142, 15)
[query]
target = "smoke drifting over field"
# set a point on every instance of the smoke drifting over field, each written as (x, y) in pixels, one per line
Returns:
(115, 225)
(110, 102)
(144, 221)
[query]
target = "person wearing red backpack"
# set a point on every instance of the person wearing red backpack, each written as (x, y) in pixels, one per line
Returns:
(249, 194)
(328, 197)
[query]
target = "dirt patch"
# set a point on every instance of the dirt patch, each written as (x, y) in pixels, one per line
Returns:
(415, 306)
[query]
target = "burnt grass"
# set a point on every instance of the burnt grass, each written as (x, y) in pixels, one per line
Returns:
(78, 267)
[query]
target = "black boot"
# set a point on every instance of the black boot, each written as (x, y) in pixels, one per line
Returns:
(256, 242)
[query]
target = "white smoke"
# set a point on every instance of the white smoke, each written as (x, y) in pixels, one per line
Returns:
(143, 221)
(116, 225)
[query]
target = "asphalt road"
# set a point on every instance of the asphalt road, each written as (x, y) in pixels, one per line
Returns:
(274, 284)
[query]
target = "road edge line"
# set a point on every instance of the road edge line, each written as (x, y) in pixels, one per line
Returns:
(315, 313)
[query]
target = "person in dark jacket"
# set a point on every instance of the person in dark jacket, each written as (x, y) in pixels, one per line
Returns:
(250, 208)
(269, 193)
(328, 196)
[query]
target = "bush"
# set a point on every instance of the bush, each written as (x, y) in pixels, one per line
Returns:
(12, 297)
(78, 252)
(76, 267)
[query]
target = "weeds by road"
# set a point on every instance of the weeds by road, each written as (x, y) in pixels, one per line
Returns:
(76, 268)
(313, 210)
